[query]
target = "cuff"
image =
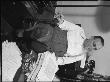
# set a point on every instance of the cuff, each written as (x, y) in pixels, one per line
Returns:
(60, 61)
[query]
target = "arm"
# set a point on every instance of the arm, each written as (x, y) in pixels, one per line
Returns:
(65, 25)
(67, 60)
(83, 61)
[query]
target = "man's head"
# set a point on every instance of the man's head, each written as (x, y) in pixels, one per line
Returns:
(98, 42)
(94, 43)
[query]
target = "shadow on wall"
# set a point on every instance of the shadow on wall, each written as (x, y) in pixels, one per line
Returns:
(103, 17)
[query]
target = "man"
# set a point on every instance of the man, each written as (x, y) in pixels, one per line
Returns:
(78, 44)
(79, 47)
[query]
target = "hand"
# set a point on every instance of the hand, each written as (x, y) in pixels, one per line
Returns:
(20, 33)
(60, 18)
(80, 77)
(31, 27)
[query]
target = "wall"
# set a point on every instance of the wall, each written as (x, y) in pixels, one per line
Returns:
(95, 21)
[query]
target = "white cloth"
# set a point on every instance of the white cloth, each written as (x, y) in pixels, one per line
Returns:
(11, 60)
(75, 37)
